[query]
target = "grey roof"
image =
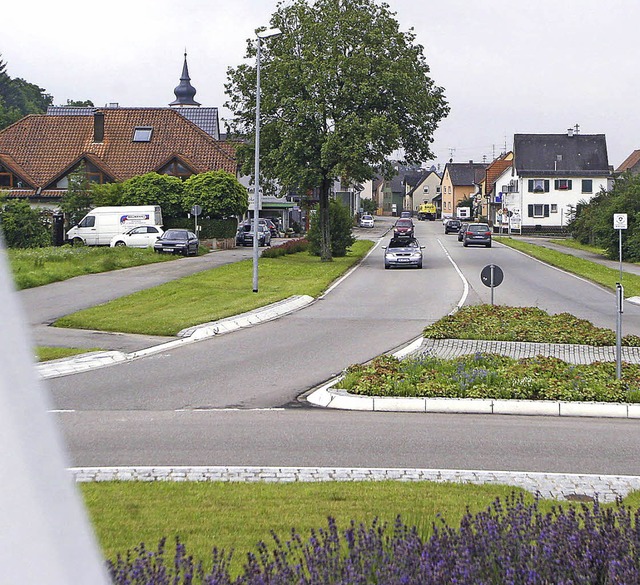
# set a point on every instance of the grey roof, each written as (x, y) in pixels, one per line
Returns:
(558, 155)
(69, 111)
(205, 118)
(466, 173)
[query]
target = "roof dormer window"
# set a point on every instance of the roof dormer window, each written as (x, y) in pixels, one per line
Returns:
(142, 134)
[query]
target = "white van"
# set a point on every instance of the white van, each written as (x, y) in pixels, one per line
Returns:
(98, 227)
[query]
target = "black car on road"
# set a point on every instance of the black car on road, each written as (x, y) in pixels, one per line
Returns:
(177, 241)
(452, 226)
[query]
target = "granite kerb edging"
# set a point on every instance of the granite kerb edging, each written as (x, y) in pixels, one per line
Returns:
(548, 485)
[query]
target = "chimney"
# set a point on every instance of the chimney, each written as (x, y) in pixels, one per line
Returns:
(98, 127)
(570, 132)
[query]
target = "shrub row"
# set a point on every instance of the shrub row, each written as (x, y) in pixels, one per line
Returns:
(494, 376)
(289, 247)
(210, 229)
(502, 323)
(510, 543)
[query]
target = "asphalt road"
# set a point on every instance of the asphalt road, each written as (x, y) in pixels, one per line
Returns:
(238, 399)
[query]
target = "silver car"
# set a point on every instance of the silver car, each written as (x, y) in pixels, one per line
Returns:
(403, 252)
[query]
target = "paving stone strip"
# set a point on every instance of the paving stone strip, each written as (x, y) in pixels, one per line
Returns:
(560, 486)
(570, 353)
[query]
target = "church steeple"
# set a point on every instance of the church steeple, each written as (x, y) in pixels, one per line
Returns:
(185, 91)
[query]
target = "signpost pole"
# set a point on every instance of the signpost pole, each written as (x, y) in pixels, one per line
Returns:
(619, 223)
(492, 281)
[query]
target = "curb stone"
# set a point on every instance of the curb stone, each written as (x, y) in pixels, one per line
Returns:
(88, 361)
(560, 486)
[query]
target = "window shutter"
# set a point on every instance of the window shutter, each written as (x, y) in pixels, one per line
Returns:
(546, 185)
(546, 210)
(530, 210)
(569, 184)
(530, 185)
(556, 184)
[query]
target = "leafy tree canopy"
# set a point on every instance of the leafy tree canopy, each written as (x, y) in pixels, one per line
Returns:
(80, 103)
(24, 227)
(341, 89)
(219, 194)
(593, 221)
(19, 98)
(155, 189)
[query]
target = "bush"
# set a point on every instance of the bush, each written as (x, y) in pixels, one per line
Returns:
(340, 225)
(23, 226)
(290, 247)
(510, 542)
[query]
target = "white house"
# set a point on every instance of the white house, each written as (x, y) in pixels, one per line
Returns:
(550, 175)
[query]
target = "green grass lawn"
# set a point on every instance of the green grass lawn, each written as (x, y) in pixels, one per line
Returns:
(236, 516)
(45, 353)
(217, 293)
(39, 266)
(607, 277)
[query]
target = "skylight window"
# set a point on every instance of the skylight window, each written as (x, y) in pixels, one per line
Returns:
(142, 134)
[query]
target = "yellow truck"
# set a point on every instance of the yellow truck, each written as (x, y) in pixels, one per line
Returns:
(427, 211)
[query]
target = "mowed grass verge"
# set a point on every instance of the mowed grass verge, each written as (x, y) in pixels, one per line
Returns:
(39, 266)
(236, 516)
(607, 277)
(215, 294)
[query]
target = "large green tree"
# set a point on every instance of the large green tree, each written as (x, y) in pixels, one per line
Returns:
(341, 89)
(155, 189)
(593, 221)
(19, 98)
(218, 193)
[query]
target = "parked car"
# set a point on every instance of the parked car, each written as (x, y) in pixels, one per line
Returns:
(142, 236)
(453, 225)
(404, 228)
(463, 228)
(244, 236)
(178, 241)
(477, 234)
(403, 252)
(366, 221)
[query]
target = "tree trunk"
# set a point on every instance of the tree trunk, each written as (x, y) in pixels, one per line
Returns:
(325, 233)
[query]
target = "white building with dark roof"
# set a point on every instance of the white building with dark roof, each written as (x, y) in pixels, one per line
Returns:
(551, 174)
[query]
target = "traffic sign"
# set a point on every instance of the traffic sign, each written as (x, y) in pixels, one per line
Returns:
(196, 210)
(492, 275)
(619, 221)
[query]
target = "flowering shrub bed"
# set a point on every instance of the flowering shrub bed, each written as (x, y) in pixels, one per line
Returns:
(290, 247)
(501, 323)
(510, 543)
(494, 376)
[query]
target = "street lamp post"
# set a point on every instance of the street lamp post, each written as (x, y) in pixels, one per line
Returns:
(257, 199)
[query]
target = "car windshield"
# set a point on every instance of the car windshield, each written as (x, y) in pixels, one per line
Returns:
(175, 235)
(366, 217)
(404, 223)
(403, 243)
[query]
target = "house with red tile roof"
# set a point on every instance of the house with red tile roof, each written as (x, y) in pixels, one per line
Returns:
(631, 163)
(39, 152)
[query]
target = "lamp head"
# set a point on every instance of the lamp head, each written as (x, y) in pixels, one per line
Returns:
(271, 32)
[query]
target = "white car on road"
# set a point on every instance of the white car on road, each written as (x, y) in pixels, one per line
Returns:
(366, 221)
(142, 236)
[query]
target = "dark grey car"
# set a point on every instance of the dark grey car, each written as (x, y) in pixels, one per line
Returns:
(178, 241)
(477, 234)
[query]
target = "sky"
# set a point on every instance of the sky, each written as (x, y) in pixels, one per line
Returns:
(506, 66)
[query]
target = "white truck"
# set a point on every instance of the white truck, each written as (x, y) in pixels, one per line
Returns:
(98, 227)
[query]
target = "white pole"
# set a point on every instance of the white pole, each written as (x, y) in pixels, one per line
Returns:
(256, 197)
(47, 537)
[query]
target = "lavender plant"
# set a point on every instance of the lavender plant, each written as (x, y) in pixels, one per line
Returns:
(509, 543)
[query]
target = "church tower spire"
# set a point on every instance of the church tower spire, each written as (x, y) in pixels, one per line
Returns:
(185, 91)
